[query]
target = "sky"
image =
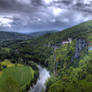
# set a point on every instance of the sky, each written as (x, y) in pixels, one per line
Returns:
(40, 15)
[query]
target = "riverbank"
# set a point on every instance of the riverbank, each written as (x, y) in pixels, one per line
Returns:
(43, 77)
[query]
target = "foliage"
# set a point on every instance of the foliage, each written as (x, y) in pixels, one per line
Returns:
(73, 76)
(15, 79)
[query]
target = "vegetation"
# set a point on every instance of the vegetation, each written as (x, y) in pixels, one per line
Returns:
(72, 76)
(16, 78)
(5, 36)
(67, 75)
(8, 36)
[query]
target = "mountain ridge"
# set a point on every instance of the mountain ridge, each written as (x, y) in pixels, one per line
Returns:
(21, 36)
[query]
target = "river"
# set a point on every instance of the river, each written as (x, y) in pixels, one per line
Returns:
(43, 77)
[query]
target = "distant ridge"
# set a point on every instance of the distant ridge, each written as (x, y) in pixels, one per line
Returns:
(12, 36)
(37, 34)
(5, 36)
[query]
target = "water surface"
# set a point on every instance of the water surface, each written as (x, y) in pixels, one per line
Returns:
(43, 77)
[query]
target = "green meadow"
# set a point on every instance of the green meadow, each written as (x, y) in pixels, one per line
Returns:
(16, 78)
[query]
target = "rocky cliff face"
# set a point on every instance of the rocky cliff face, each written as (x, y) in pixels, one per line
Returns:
(80, 45)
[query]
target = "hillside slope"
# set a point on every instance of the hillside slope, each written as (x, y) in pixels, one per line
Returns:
(83, 30)
(72, 75)
(66, 75)
(45, 43)
(12, 36)
(6, 36)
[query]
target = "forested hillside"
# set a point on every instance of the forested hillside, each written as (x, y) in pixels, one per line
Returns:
(12, 36)
(6, 36)
(37, 46)
(68, 61)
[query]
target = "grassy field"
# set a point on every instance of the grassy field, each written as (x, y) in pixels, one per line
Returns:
(15, 78)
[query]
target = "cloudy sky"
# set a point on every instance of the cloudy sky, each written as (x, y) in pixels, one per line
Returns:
(40, 15)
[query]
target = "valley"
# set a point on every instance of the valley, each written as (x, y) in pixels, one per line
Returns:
(65, 55)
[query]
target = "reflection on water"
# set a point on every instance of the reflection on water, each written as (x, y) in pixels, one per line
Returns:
(43, 77)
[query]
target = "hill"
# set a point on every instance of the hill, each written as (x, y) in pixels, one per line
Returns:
(5, 36)
(83, 30)
(37, 34)
(47, 41)
(68, 73)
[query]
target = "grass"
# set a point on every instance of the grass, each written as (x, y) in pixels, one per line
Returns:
(16, 78)
(7, 63)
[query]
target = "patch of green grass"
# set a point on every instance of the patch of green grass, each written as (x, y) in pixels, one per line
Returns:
(15, 79)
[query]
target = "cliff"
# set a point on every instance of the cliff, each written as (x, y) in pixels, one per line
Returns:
(80, 45)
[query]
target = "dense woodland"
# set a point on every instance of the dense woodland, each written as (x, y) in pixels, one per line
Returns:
(66, 75)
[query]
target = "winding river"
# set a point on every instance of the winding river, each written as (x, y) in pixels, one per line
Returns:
(43, 77)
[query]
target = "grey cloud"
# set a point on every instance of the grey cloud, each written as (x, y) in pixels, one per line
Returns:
(35, 14)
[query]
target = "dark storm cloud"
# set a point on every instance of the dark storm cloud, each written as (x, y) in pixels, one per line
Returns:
(35, 14)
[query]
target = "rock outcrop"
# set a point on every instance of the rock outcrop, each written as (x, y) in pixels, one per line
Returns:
(80, 45)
